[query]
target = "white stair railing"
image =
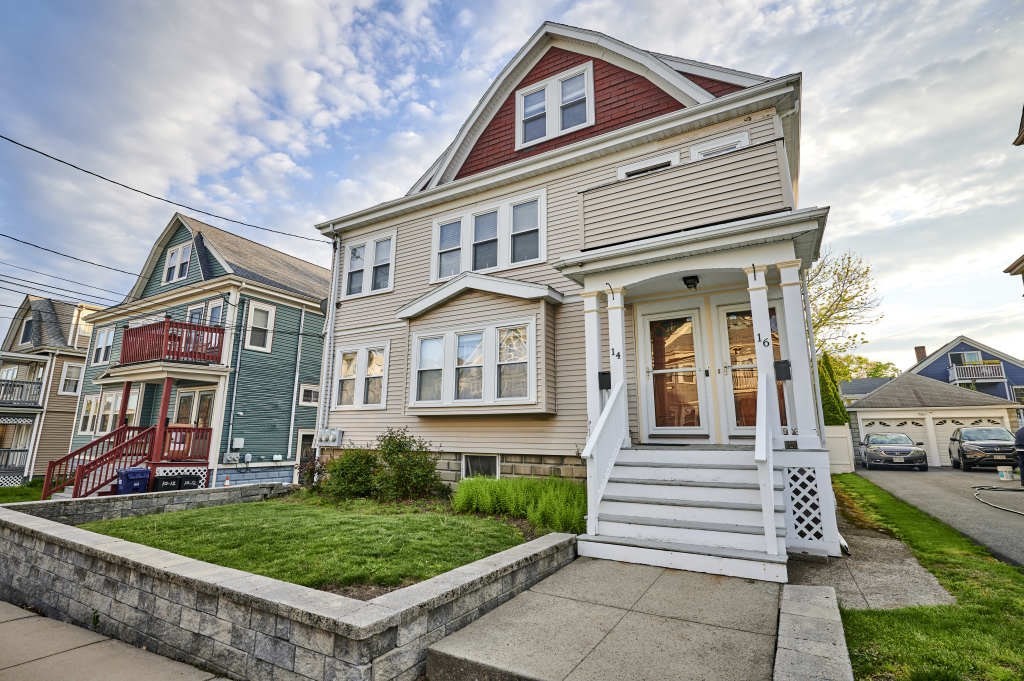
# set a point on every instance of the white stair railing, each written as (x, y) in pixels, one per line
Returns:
(764, 458)
(602, 450)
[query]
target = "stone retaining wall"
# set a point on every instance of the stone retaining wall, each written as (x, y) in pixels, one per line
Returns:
(78, 511)
(246, 626)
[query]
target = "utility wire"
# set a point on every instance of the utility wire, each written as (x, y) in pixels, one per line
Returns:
(30, 283)
(55, 276)
(154, 196)
(50, 250)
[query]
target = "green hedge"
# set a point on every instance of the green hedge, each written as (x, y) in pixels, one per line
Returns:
(831, 402)
(553, 504)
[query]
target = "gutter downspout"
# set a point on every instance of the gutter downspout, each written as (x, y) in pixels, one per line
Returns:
(327, 365)
(295, 394)
(239, 336)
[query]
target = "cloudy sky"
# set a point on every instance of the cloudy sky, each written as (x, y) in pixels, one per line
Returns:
(286, 114)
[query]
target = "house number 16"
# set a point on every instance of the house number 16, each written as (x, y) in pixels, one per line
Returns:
(766, 342)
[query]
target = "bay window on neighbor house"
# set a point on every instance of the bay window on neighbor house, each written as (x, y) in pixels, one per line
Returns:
(259, 328)
(490, 238)
(362, 377)
(101, 348)
(491, 365)
(70, 379)
(368, 266)
(176, 263)
(556, 106)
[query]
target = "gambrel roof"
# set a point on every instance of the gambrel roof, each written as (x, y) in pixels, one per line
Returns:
(690, 82)
(52, 322)
(241, 257)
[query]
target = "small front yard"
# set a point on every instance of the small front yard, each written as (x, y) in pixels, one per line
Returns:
(29, 492)
(358, 548)
(981, 637)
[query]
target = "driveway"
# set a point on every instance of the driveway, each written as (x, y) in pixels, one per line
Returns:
(947, 494)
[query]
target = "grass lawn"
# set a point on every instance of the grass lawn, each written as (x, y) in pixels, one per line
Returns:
(304, 540)
(981, 637)
(29, 492)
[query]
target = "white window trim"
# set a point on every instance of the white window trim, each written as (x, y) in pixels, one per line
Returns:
(490, 366)
(102, 333)
(504, 208)
(728, 143)
(202, 312)
(21, 334)
(94, 417)
(303, 387)
(369, 242)
(1013, 392)
(553, 104)
(631, 170)
(360, 378)
(9, 373)
(497, 464)
(210, 307)
(176, 251)
(64, 375)
(272, 312)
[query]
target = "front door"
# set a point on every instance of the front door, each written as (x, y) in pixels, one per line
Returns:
(739, 370)
(675, 374)
(195, 407)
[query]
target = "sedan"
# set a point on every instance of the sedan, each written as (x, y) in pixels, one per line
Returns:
(892, 449)
(981, 446)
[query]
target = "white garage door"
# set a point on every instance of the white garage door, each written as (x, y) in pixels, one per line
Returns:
(945, 425)
(915, 428)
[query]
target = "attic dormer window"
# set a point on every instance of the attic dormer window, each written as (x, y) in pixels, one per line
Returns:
(176, 263)
(556, 106)
(26, 332)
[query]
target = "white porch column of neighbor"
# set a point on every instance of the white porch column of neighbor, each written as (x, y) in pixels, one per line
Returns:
(757, 287)
(592, 347)
(617, 345)
(804, 409)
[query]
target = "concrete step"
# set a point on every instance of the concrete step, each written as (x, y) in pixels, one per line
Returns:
(705, 493)
(713, 560)
(745, 537)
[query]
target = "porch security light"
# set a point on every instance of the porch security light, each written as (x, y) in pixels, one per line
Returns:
(691, 281)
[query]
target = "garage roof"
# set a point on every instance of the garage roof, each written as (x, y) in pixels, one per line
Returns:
(909, 391)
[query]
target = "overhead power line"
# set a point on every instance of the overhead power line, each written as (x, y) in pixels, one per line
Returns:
(18, 281)
(154, 196)
(55, 276)
(72, 257)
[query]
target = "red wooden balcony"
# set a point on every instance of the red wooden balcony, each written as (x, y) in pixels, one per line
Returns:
(170, 341)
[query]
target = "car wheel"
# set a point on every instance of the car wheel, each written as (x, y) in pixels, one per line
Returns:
(923, 468)
(964, 466)
(867, 466)
(955, 462)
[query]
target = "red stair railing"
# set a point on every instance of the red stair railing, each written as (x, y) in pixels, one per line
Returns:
(187, 442)
(61, 472)
(99, 473)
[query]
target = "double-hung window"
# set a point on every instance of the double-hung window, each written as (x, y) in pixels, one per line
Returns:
(490, 237)
(195, 314)
(369, 266)
(101, 348)
(490, 365)
(70, 379)
(561, 104)
(362, 377)
(215, 313)
(87, 419)
(259, 331)
(26, 332)
(176, 263)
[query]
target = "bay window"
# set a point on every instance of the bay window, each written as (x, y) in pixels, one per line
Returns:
(561, 104)
(488, 365)
(369, 266)
(361, 377)
(490, 237)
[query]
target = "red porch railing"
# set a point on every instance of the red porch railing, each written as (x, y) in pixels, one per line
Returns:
(173, 342)
(61, 472)
(94, 475)
(187, 442)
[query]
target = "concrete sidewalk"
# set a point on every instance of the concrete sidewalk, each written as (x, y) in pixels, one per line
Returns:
(34, 648)
(600, 620)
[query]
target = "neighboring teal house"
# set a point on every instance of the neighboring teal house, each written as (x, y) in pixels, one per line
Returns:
(221, 336)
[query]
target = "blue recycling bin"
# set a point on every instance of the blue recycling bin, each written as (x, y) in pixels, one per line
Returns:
(132, 480)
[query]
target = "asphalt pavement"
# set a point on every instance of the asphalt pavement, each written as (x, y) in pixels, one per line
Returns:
(948, 495)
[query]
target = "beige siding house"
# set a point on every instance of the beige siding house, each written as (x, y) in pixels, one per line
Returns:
(601, 278)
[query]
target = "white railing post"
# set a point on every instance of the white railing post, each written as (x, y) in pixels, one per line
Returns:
(764, 457)
(804, 410)
(602, 450)
(592, 354)
(617, 347)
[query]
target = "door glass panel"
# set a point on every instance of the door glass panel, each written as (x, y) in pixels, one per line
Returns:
(204, 410)
(676, 395)
(743, 361)
(184, 414)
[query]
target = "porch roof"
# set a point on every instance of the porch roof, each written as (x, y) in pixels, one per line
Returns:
(153, 371)
(802, 227)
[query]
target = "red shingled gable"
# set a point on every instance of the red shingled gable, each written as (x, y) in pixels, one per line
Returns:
(621, 98)
(715, 87)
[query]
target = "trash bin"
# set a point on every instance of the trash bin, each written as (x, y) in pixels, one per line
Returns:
(132, 480)
(166, 483)
(191, 482)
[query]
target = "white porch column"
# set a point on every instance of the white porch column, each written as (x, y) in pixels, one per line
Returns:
(757, 287)
(592, 348)
(617, 347)
(804, 408)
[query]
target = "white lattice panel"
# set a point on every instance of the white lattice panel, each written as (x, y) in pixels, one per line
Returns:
(805, 504)
(201, 471)
(10, 480)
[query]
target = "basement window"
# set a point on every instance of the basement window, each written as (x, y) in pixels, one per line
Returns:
(719, 146)
(648, 165)
(480, 466)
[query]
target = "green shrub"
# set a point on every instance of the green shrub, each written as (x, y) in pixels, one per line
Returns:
(832, 405)
(553, 504)
(351, 475)
(406, 468)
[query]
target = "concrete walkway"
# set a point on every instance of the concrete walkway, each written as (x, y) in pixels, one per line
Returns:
(34, 648)
(600, 620)
(948, 495)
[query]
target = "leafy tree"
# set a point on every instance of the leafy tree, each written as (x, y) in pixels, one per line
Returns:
(843, 299)
(849, 367)
(831, 402)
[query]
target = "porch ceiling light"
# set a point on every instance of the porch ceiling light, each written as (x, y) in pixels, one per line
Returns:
(691, 281)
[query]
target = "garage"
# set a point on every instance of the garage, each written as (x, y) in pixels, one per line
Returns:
(929, 411)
